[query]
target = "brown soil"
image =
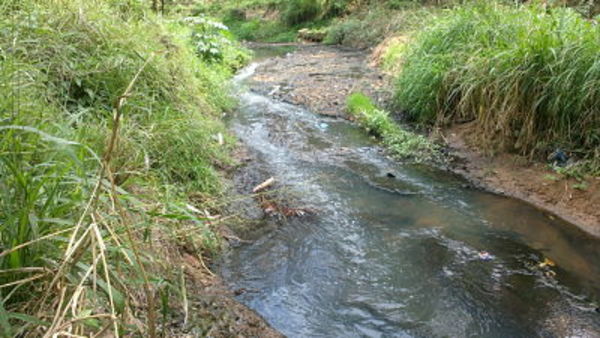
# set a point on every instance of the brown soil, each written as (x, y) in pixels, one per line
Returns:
(320, 78)
(533, 182)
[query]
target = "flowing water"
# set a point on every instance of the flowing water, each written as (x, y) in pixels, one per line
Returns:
(400, 256)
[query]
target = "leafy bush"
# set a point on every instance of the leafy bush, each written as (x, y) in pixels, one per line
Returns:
(214, 43)
(209, 38)
(529, 77)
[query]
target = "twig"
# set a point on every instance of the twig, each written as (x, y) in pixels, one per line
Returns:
(264, 185)
(184, 293)
(23, 281)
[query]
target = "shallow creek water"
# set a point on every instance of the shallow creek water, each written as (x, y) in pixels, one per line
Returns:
(399, 256)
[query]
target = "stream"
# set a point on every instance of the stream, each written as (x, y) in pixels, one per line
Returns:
(397, 249)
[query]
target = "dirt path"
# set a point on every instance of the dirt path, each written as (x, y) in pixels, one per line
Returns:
(321, 77)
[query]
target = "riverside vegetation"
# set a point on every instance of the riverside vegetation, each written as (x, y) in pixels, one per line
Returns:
(527, 74)
(110, 150)
(111, 142)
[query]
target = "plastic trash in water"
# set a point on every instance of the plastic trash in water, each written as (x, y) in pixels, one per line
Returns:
(485, 256)
(323, 125)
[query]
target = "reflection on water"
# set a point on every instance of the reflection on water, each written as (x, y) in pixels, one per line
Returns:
(398, 257)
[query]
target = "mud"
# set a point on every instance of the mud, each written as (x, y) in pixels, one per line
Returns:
(320, 78)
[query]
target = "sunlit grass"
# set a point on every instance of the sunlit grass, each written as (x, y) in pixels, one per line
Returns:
(530, 78)
(79, 217)
(402, 144)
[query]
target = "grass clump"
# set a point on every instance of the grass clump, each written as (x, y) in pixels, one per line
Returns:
(529, 77)
(401, 143)
(108, 150)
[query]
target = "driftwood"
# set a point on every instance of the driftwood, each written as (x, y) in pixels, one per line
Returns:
(264, 185)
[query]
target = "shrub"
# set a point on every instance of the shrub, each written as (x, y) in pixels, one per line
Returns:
(340, 31)
(209, 38)
(530, 78)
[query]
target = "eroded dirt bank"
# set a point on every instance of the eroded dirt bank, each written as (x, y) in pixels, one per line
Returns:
(321, 77)
(533, 182)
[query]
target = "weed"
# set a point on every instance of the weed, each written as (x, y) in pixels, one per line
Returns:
(401, 143)
(88, 182)
(580, 186)
(552, 178)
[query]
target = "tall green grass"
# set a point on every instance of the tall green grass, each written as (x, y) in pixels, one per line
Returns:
(529, 77)
(79, 218)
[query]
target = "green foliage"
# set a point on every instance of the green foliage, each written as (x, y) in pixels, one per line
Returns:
(392, 55)
(335, 8)
(63, 68)
(300, 11)
(261, 30)
(370, 25)
(209, 38)
(359, 103)
(529, 77)
(342, 31)
(401, 143)
(214, 43)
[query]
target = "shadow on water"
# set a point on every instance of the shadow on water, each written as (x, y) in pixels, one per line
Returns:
(399, 257)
